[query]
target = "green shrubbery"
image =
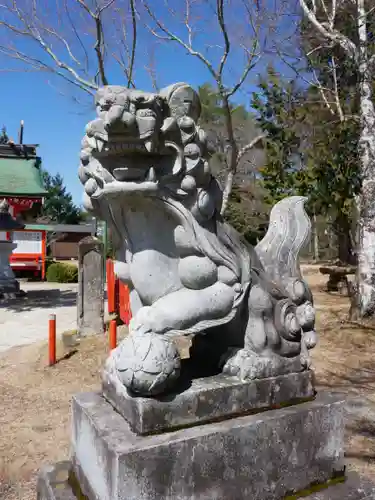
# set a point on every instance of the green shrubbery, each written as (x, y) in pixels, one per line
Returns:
(61, 272)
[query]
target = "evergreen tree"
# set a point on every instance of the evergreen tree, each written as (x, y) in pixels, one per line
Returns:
(274, 104)
(58, 206)
(4, 139)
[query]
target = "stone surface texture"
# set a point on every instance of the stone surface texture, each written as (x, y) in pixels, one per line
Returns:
(50, 488)
(90, 296)
(144, 167)
(262, 457)
(207, 399)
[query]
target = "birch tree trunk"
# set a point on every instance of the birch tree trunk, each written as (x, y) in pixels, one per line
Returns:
(358, 52)
(316, 239)
(227, 191)
(366, 250)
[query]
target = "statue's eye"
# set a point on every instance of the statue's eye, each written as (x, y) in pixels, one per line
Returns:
(105, 105)
(146, 113)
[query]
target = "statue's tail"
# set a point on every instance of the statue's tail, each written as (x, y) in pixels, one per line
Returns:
(288, 232)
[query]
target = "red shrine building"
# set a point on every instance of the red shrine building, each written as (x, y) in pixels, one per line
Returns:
(21, 185)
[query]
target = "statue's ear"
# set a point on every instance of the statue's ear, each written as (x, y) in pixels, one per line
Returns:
(182, 100)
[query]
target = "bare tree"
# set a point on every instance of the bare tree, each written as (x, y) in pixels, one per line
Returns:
(76, 40)
(216, 58)
(356, 51)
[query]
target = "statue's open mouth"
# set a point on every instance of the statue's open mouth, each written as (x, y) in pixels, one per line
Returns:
(114, 148)
(135, 164)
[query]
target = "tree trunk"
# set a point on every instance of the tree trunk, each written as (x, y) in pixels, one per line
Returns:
(342, 229)
(233, 152)
(366, 253)
(315, 238)
(227, 191)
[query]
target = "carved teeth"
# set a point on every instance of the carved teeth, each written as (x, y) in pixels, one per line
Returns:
(91, 142)
(149, 146)
(99, 146)
(151, 175)
(120, 147)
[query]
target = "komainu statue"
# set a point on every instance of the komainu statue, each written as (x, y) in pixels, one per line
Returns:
(144, 167)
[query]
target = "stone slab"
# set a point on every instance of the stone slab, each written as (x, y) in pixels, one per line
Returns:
(53, 485)
(264, 456)
(207, 400)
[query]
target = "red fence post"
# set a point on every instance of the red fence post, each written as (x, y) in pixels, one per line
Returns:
(112, 334)
(124, 304)
(52, 340)
(111, 287)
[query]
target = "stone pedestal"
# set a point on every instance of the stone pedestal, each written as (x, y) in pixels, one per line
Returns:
(270, 439)
(265, 456)
(9, 286)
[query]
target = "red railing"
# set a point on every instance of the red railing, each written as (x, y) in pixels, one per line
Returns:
(117, 295)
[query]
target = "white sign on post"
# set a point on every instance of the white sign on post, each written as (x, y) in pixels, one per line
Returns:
(28, 242)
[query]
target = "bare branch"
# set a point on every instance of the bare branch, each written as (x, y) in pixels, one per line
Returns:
(329, 32)
(31, 31)
(134, 44)
(249, 146)
(75, 31)
(151, 70)
(220, 18)
(250, 65)
(39, 65)
(52, 32)
(187, 22)
(174, 38)
(99, 49)
(336, 90)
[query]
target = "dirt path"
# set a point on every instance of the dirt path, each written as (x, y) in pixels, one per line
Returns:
(25, 321)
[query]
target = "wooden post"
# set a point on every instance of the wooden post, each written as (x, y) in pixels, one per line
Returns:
(52, 340)
(112, 334)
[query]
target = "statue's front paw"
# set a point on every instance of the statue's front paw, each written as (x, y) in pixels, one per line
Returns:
(142, 322)
(147, 364)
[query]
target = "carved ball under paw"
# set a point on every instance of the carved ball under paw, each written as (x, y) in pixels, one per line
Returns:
(147, 364)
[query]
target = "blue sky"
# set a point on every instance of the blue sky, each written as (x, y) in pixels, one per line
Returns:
(57, 123)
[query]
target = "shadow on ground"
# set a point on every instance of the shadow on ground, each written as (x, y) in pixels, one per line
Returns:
(36, 299)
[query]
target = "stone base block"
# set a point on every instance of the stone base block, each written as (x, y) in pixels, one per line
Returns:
(206, 400)
(259, 457)
(54, 484)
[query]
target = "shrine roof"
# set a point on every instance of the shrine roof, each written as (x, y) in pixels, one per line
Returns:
(20, 177)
